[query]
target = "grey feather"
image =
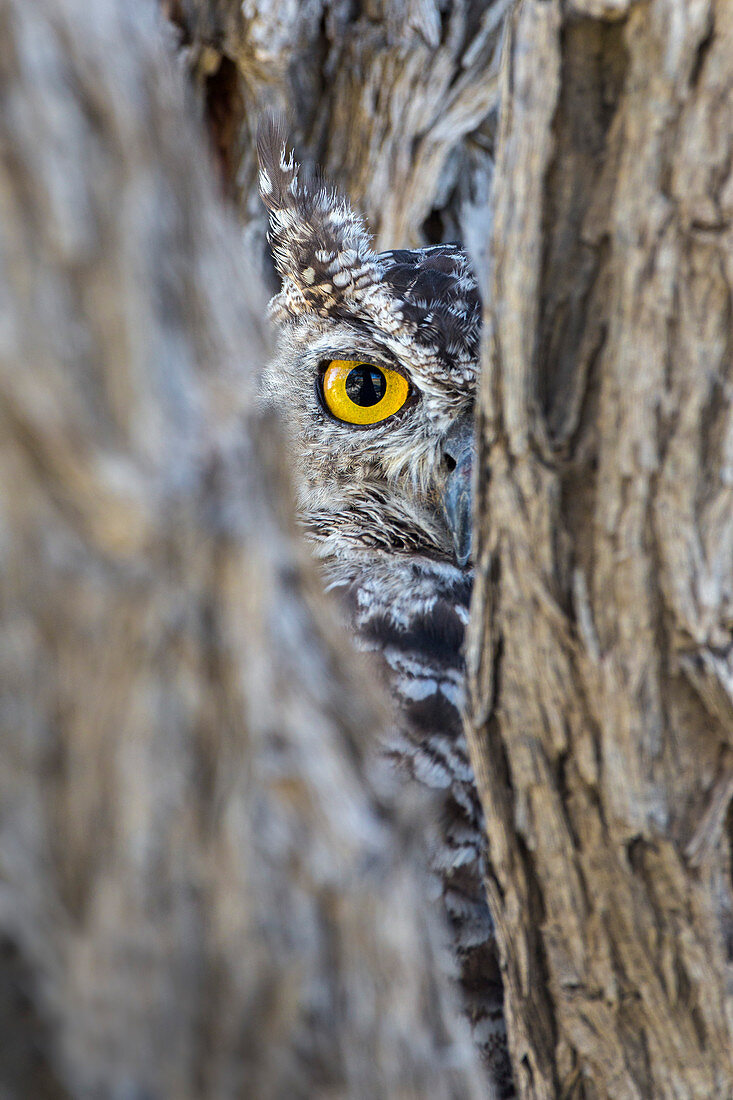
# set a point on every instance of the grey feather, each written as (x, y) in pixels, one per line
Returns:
(369, 500)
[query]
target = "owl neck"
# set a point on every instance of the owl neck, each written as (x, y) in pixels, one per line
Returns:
(394, 578)
(355, 535)
(412, 606)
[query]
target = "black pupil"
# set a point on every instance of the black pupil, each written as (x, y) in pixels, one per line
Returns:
(365, 385)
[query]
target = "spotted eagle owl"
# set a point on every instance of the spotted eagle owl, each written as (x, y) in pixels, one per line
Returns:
(375, 373)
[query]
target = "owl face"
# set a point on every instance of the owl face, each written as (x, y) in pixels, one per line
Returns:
(375, 374)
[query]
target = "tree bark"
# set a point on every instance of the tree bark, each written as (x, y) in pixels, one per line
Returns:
(601, 652)
(205, 887)
(395, 100)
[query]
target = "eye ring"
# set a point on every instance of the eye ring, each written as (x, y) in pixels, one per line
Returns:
(360, 393)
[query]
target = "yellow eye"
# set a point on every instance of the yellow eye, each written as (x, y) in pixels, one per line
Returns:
(361, 393)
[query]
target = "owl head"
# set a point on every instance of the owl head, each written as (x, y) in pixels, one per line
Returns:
(375, 373)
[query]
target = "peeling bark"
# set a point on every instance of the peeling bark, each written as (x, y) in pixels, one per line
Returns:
(601, 655)
(394, 100)
(206, 888)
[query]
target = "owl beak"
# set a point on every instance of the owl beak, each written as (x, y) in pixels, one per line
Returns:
(456, 496)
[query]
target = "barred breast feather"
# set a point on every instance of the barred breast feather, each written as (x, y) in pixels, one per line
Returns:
(412, 617)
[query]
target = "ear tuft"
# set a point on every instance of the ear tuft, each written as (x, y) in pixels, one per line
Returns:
(278, 172)
(319, 243)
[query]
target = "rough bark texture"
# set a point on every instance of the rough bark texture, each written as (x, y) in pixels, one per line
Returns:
(204, 887)
(205, 890)
(601, 651)
(395, 100)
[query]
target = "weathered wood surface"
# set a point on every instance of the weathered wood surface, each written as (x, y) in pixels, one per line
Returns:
(602, 651)
(188, 815)
(395, 100)
(205, 889)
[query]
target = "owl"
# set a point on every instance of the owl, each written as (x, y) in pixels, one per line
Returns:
(375, 375)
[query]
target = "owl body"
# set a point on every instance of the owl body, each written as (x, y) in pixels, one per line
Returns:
(375, 374)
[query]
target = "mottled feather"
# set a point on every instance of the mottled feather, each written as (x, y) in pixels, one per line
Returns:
(369, 501)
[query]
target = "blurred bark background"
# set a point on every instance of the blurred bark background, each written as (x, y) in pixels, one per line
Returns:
(206, 888)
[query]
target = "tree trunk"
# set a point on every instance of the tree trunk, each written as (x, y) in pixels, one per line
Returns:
(395, 100)
(206, 888)
(601, 654)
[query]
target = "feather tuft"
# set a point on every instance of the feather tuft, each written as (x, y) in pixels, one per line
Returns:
(319, 243)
